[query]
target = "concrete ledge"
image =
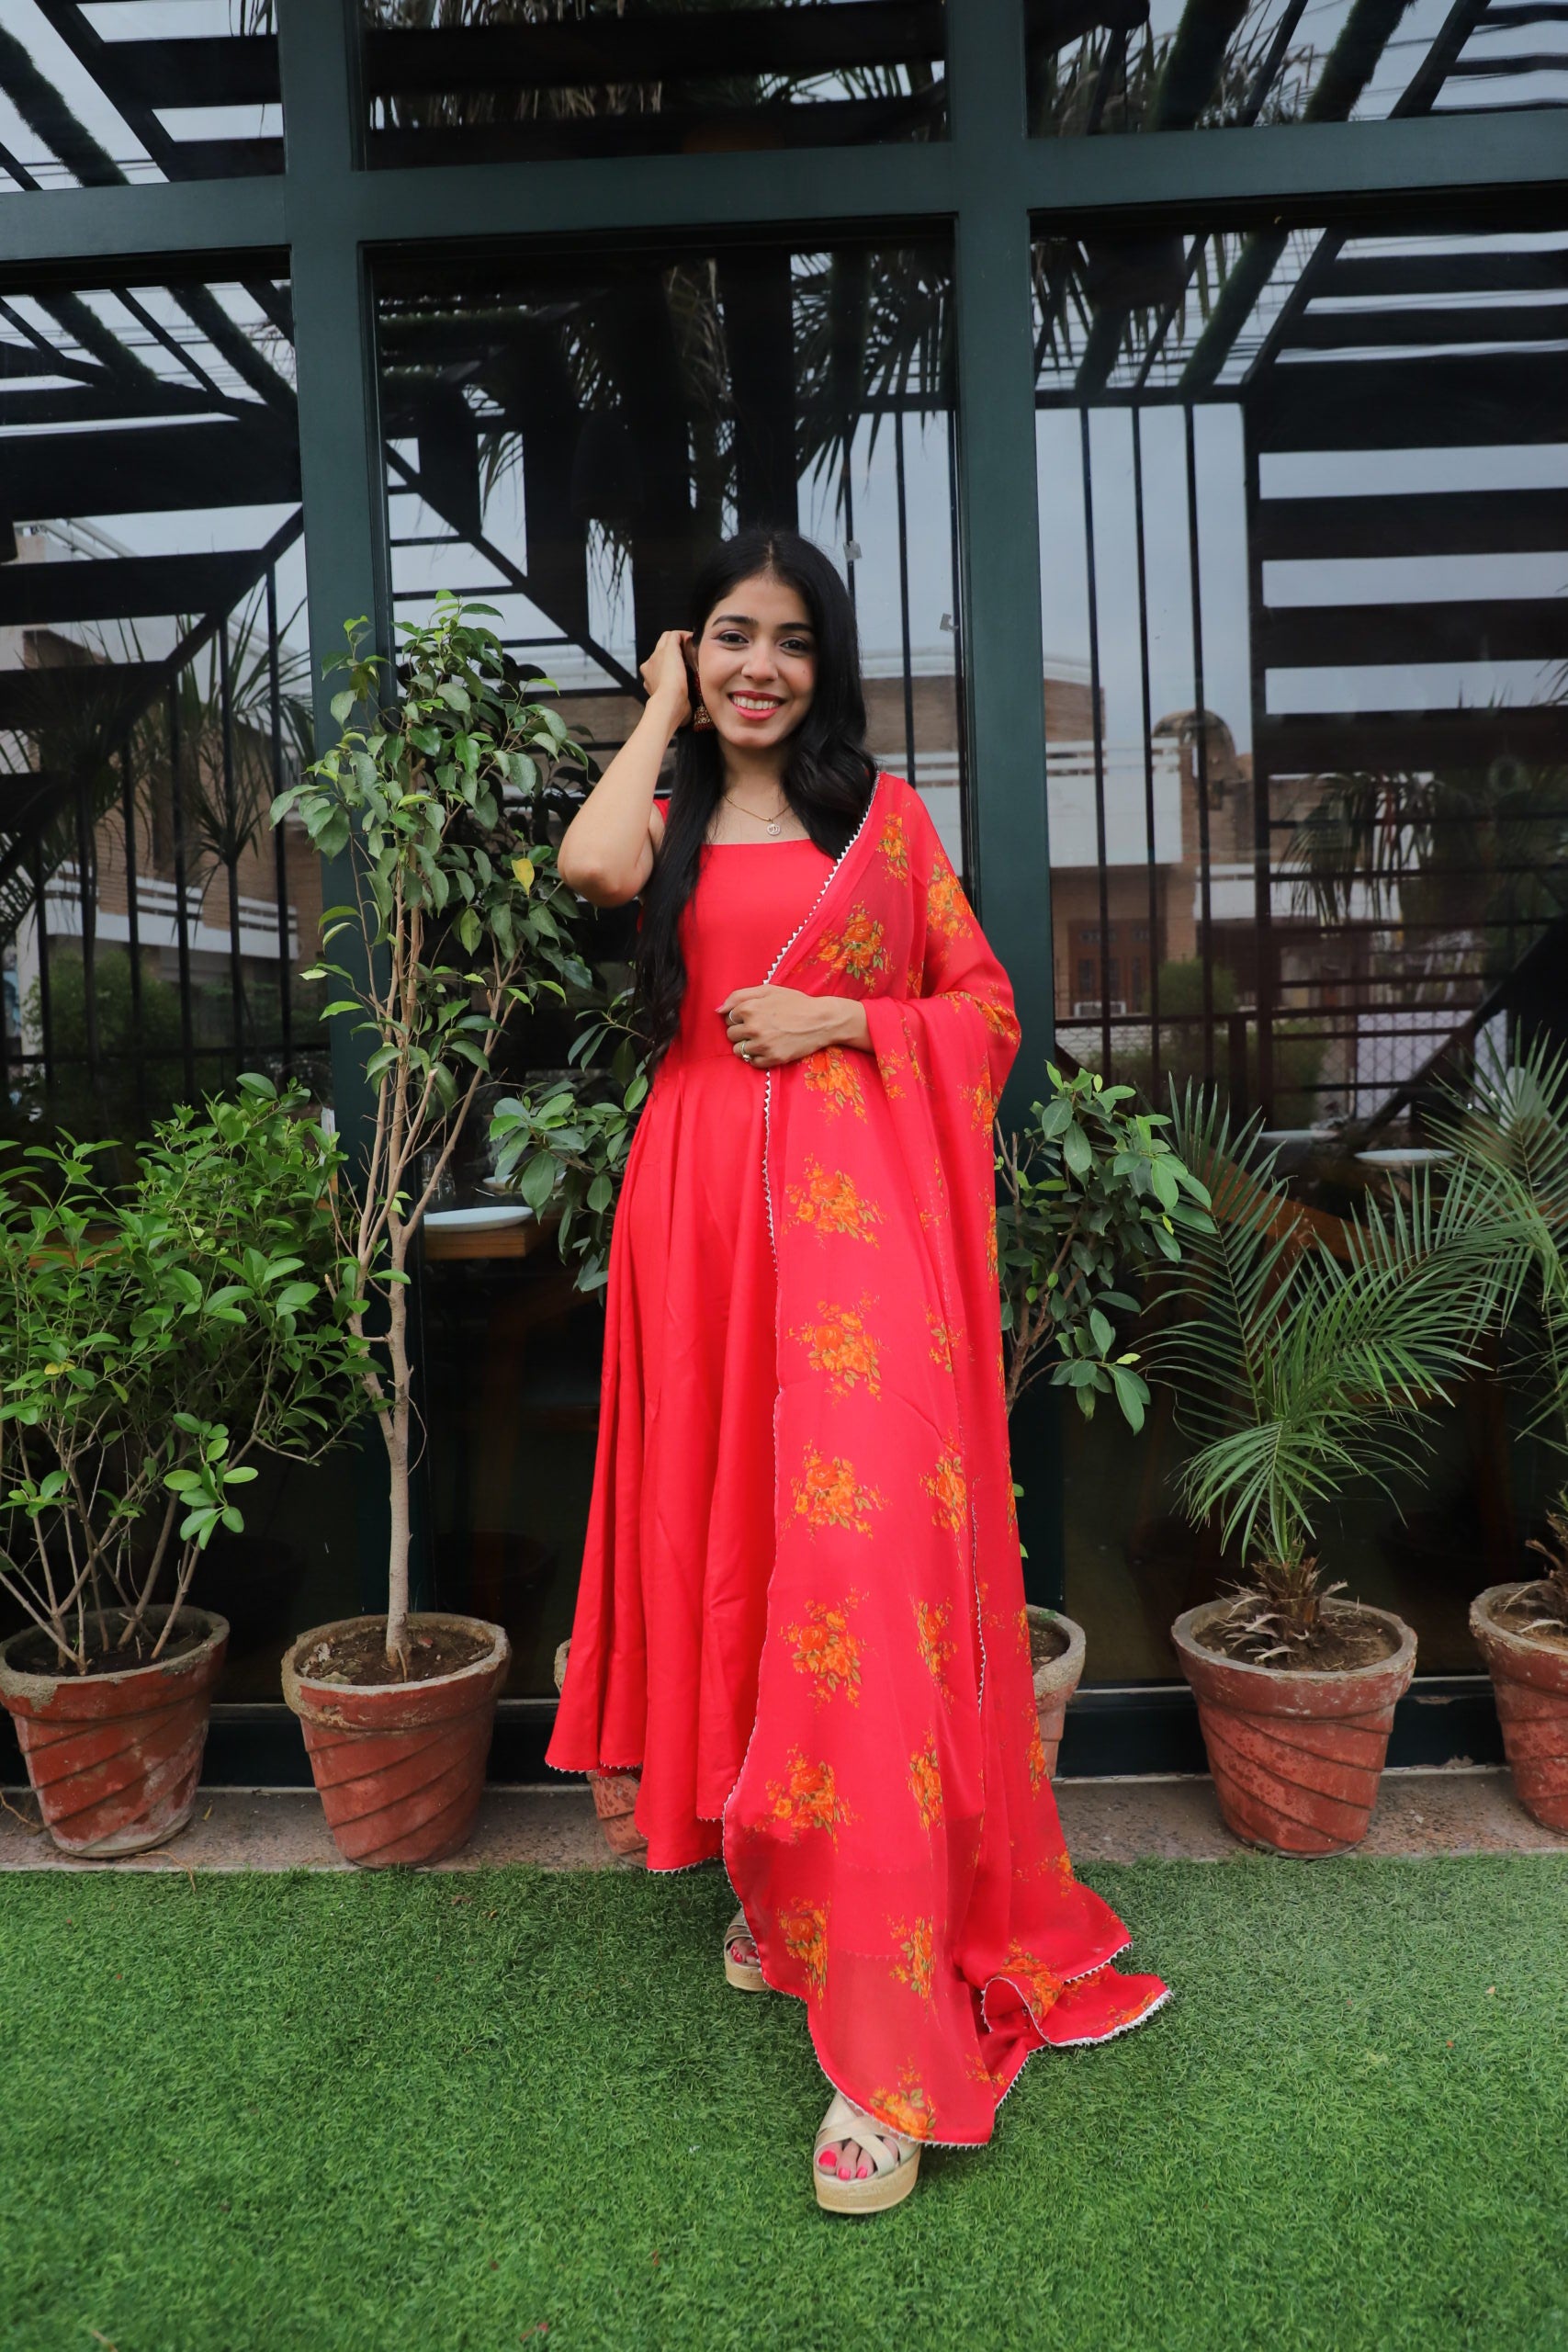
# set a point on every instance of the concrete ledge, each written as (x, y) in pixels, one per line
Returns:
(1463, 1810)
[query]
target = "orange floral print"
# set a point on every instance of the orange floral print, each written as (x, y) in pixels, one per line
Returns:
(807, 1798)
(948, 1489)
(941, 1339)
(830, 1494)
(894, 847)
(830, 1073)
(805, 1939)
(829, 1203)
(918, 1944)
(857, 951)
(1041, 1987)
(992, 1258)
(932, 1621)
(947, 909)
(827, 1650)
(981, 1101)
(905, 2109)
(925, 1782)
(1000, 1019)
(839, 1345)
(1037, 1765)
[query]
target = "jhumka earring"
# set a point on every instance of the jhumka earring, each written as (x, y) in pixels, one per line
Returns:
(700, 719)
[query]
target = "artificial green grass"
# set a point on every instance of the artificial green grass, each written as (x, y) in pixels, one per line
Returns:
(359, 2114)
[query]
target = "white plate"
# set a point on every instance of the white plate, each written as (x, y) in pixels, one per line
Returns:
(475, 1220)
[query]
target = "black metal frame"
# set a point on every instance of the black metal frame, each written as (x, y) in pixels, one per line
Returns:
(986, 186)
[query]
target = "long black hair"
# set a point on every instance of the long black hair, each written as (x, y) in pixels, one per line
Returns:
(827, 776)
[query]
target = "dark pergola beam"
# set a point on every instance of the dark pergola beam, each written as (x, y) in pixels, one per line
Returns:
(1394, 742)
(709, 44)
(1301, 637)
(163, 469)
(1458, 522)
(111, 588)
(1391, 277)
(236, 70)
(1459, 401)
(542, 139)
(1320, 330)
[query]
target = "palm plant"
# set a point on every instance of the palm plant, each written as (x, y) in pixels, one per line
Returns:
(1509, 1137)
(1296, 1369)
(1456, 850)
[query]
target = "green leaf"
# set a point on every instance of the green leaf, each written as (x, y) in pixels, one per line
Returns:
(1076, 1149)
(1132, 1394)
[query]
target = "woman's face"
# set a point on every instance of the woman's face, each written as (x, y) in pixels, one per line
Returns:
(756, 664)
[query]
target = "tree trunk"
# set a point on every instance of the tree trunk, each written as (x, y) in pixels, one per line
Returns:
(398, 1465)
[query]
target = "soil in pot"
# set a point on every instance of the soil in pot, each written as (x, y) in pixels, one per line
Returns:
(358, 1654)
(1047, 1643)
(1534, 1612)
(107, 1650)
(114, 1756)
(399, 1765)
(1296, 1753)
(1341, 1640)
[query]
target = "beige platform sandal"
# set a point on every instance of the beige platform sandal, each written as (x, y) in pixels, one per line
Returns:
(894, 2175)
(745, 1975)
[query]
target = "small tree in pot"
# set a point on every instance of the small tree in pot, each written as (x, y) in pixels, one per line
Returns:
(153, 1338)
(1509, 1137)
(457, 921)
(1094, 1194)
(1296, 1369)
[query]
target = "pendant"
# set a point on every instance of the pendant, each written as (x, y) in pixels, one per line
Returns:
(774, 826)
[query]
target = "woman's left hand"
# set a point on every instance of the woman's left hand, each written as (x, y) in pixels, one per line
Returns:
(768, 1026)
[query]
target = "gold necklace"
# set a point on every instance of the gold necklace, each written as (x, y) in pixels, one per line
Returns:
(772, 823)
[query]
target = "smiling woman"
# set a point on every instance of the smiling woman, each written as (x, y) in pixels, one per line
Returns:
(802, 1454)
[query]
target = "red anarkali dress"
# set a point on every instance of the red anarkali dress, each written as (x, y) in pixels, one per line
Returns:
(801, 1604)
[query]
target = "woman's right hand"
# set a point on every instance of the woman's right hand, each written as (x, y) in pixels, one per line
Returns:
(668, 677)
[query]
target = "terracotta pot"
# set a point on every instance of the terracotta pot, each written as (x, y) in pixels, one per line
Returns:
(1530, 1683)
(613, 1794)
(1296, 1757)
(114, 1760)
(1056, 1679)
(399, 1767)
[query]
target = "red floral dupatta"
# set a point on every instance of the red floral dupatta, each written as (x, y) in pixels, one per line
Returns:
(893, 1836)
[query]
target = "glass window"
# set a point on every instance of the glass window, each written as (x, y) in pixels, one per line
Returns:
(566, 440)
(532, 79)
(1304, 512)
(154, 691)
(1182, 66)
(97, 91)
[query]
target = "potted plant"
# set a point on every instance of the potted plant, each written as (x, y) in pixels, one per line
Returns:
(154, 1337)
(1510, 1137)
(1092, 1192)
(1295, 1369)
(458, 920)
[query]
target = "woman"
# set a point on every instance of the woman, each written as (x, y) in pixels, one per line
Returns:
(801, 1612)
